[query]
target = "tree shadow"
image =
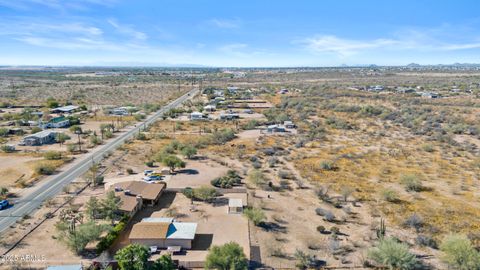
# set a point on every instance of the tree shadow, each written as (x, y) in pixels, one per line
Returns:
(273, 227)
(188, 171)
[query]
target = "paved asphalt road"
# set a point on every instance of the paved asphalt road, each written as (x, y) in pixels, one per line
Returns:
(49, 187)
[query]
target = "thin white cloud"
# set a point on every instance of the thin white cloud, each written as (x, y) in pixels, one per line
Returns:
(127, 30)
(412, 40)
(59, 5)
(225, 23)
(344, 47)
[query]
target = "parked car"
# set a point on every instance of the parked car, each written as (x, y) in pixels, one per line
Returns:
(4, 204)
(152, 178)
(248, 111)
(153, 249)
(147, 172)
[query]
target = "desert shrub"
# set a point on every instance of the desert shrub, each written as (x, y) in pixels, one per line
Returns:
(227, 181)
(45, 169)
(459, 253)
(303, 260)
(222, 136)
(426, 241)
(329, 216)
(338, 123)
(204, 193)
(256, 165)
(321, 212)
(35, 130)
(130, 171)
(414, 221)
(428, 148)
(188, 192)
(390, 195)
(411, 182)
(327, 165)
(53, 155)
(284, 174)
(141, 136)
(272, 162)
(95, 140)
(256, 178)
(393, 254)
(256, 215)
(321, 229)
(334, 230)
(250, 124)
(149, 163)
(7, 149)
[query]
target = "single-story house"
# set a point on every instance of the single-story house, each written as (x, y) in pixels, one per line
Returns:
(229, 116)
(39, 138)
(65, 109)
(233, 89)
(430, 95)
(16, 131)
(197, 116)
(123, 110)
(276, 128)
(235, 206)
(135, 194)
(210, 108)
(119, 111)
(163, 234)
(56, 122)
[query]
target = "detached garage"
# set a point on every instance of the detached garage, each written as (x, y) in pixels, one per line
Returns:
(163, 234)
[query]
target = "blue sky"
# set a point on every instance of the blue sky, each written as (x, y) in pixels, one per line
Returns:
(238, 33)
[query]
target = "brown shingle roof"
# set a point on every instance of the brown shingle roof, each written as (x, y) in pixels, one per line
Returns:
(149, 230)
(128, 203)
(148, 191)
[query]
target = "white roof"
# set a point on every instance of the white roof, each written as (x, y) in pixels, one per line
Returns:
(66, 108)
(42, 134)
(182, 230)
(196, 113)
(157, 219)
(234, 202)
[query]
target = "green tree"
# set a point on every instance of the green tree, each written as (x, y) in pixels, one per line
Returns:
(76, 129)
(459, 253)
(52, 103)
(392, 254)
(256, 215)
(3, 132)
(110, 206)
(229, 256)
(173, 162)
(132, 257)
(3, 192)
(92, 207)
(61, 138)
(165, 262)
(189, 151)
(78, 237)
